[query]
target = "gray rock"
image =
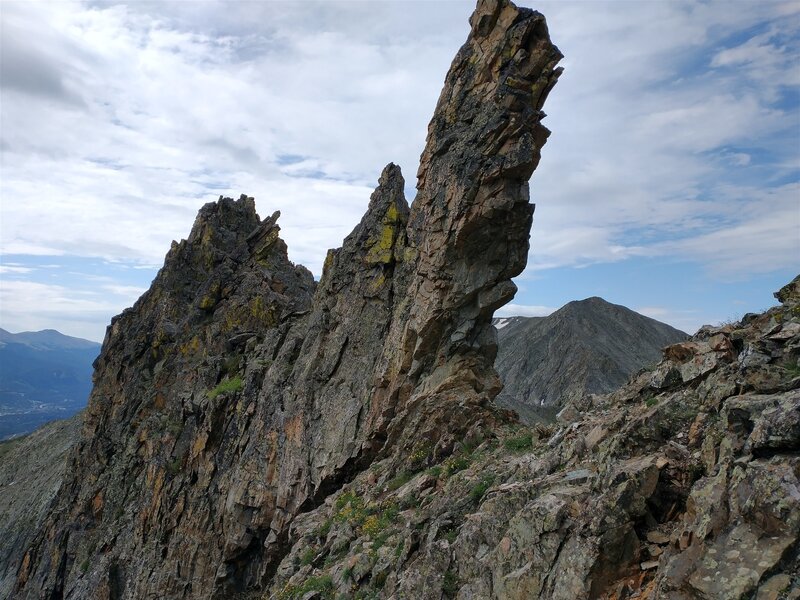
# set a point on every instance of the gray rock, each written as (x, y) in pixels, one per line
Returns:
(31, 470)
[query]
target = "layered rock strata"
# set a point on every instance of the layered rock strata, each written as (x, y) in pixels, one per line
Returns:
(235, 396)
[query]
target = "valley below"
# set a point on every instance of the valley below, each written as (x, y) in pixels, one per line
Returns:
(44, 375)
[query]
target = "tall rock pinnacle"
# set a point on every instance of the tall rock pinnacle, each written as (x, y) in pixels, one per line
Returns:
(470, 223)
(228, 401)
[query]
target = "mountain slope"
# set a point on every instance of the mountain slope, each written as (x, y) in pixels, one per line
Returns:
(44, 375)
(47, 339)
(586, 347)
(31, 470)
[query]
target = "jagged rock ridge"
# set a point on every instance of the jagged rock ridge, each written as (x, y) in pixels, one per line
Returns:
(586, 347)
(234, 396)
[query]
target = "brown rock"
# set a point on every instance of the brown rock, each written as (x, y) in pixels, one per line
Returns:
(595, 436)
(773, 587)
(697, 429)
(657, 537)
(681, 352)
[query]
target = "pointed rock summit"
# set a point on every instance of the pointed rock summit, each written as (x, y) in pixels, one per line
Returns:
(236, 394)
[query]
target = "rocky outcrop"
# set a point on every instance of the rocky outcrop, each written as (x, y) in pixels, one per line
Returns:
(31, 471)
(586, 347)
(234, 396)
(680, 488)
(162, 428)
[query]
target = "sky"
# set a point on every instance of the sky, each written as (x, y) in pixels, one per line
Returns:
(670, 183)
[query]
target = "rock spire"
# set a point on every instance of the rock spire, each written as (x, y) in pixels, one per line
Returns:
(237, 394)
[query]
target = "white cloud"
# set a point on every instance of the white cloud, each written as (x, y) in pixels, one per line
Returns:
(646, 134)
(765, 239)
(31, 306)
(8, 269)
(669, 139)
(166, 117)
(128, 291)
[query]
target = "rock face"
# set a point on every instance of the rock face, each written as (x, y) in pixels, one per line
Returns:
(161, 429)
(680, 487)
(234, 396)
(586, 347)
(31, 471)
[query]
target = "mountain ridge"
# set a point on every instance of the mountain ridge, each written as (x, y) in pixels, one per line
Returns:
(634, 494)
(255, 434)
(46, 339)
(31, 471)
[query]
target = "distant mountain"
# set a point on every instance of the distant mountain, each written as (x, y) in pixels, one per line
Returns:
(47, 339)
(44, 375)
(586, 347)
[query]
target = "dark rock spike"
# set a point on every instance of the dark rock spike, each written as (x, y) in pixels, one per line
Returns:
(151, 398)
(470, 222)
(226, 214)
(483, 144)
(380, 236)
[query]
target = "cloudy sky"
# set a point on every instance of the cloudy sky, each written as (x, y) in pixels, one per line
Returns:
(670, 184)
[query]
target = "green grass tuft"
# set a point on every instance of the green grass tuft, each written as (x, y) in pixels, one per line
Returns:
(228, 385)
(450, 584)
(325, 529)
(454, 464)
(399, 481)
(519, 443)
(792, 369)
(435, 471)
(322, 584)
(479, 490)
(308, 556)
